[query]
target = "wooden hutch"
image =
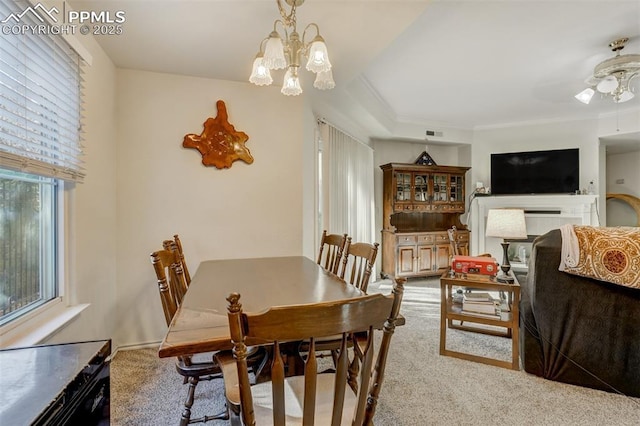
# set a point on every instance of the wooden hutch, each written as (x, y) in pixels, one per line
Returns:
(420, 202)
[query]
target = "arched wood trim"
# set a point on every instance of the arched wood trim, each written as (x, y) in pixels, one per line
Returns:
(632, 200)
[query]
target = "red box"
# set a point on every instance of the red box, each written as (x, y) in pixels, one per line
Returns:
(475, 265)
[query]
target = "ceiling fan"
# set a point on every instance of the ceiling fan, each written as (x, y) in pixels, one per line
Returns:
(613, 76)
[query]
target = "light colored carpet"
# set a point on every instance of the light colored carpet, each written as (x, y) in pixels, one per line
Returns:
(421, 387)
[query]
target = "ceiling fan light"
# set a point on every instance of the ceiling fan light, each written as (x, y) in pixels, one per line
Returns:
(625, 96)
(607, 84)
(291, 85)
(260, 75)
(324, 80)
(274, 52)
(586, 95)
(318, 56)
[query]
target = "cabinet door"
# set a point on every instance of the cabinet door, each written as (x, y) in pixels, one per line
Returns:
(420, 187)
(440, 188)
(442, 257)
(403, 186)
(405, 264)
(425, 259)
(456, 187)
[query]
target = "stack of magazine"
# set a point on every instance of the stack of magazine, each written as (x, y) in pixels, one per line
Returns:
(481, 304)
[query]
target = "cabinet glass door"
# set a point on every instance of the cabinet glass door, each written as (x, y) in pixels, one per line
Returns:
(421, 187)
(440, 192)
(403, 186)
(455, 189)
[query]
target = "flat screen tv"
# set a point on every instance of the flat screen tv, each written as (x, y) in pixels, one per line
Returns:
(535, 172)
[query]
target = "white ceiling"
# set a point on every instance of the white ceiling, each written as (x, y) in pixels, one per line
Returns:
(448, 64)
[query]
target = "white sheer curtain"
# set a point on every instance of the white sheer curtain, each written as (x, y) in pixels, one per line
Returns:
(346, 185)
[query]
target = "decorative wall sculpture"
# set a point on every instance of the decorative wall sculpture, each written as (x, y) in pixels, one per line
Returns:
(219, 143)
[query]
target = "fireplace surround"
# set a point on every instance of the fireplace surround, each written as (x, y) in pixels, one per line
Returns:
(542, 214)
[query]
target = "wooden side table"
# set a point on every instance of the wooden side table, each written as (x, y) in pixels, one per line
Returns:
(451, 311)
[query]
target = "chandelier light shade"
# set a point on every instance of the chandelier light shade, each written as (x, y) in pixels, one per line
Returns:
(324, 80)
(291, 85)
(613, 77)
(318, 56)
(274, 52)
(260, 74)
(277, 52)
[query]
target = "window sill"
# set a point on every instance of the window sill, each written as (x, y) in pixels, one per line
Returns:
(39, 325)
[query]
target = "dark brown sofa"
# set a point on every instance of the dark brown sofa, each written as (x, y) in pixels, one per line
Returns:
(578, 330)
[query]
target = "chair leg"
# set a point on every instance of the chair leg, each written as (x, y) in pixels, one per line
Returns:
(188, 403)
(234, 418)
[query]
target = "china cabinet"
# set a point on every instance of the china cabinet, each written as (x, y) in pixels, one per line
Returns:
(419, 204)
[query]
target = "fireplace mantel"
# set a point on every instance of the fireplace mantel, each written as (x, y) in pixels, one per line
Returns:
(542, 214)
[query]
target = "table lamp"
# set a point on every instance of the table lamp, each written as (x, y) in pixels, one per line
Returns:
(506, 224)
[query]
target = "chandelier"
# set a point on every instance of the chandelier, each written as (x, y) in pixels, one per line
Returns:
(278, 52)
(613, 76)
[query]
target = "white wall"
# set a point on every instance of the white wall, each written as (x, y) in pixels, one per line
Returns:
(92, 242)
(244, 211)
(573, 134)
(623, 166)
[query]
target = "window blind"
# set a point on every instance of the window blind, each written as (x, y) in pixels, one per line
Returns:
(348, 193)
(40, 101)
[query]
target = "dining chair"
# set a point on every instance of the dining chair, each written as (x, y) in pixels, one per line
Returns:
(358, 260)
(313, 397)
(171, 291)
(183, 263)
(330, 253)
(193, 368)
(454, 245)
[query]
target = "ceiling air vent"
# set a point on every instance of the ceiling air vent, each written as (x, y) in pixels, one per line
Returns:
(433, 133)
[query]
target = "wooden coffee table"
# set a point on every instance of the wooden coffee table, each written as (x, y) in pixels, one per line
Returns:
(451, 311)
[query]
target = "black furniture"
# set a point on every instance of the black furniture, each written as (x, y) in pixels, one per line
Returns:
(65, 384)
(578, 330)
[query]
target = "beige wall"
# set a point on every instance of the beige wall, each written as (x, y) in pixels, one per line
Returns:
(91, 227)
(244, 211)
(143, 187)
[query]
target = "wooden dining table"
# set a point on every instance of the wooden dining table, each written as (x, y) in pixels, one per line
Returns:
(200, 323)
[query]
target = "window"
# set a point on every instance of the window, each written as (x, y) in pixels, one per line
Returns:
(27, 238)
(40, 93)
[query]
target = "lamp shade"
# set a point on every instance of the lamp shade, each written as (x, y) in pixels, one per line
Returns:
(324, 80)
(260, 74)
(318, 56)
(291, 85)
(586, 95)
(274, 53)
(506, 223)
(607, 84)
(625, 96)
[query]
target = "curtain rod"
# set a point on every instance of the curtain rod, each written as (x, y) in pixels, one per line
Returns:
(322, 120)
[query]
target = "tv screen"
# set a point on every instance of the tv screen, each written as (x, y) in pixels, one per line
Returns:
(535, 172)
